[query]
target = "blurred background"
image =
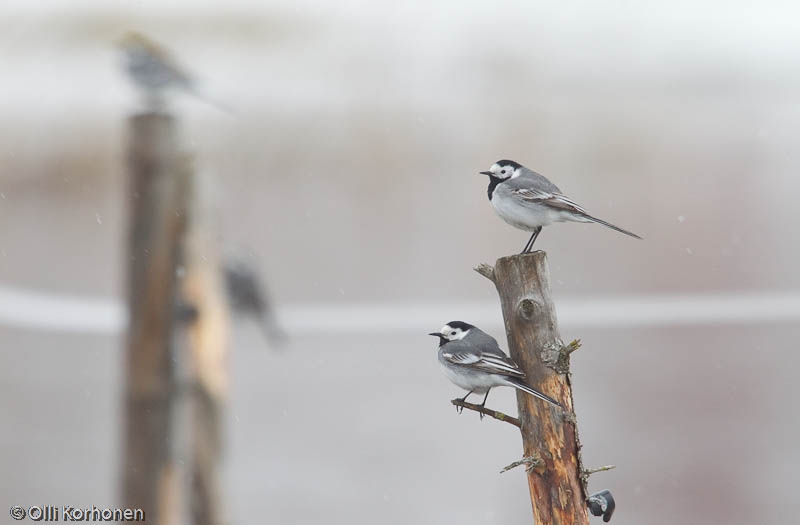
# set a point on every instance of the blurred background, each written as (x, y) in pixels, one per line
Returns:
(348, 171)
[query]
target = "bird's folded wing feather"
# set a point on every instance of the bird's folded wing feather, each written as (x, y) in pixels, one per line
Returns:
(554, 200)
(489, 363)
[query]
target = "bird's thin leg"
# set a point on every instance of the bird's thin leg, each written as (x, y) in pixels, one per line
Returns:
(534, 237)
(529, 246)
(483, 405)
(525, 249)
(463, 400)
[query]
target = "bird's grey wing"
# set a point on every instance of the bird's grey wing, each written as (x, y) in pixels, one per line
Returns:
(460, 353)
(538, 181)
(496, 364)
(545, 198)
(484, 341)
(168, 65)
(460, 358)
(523, 191)
(464, 354)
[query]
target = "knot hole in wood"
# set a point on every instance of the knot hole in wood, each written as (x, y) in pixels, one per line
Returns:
(528, 309)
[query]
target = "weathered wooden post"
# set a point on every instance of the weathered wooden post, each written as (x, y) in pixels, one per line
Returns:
(202, 290)
(150, 477)
(549, 434)
(176, 375)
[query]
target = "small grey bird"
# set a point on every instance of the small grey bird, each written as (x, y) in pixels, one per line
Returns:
(153, 70)
(248, 295)
(473, 360)
(528, 201)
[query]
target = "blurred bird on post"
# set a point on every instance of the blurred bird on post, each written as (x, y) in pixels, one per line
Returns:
(247, 296)
(153, 70)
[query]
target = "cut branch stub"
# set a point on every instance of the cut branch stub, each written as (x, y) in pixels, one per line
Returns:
(461, 404)
(486, 270)
(548, 432)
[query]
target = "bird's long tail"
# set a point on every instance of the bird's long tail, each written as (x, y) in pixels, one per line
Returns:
(211, 101)
(273, 332)
(609, 225)
(516, 383)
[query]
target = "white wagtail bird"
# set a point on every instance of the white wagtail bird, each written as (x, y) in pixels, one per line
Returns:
(528, 201)
(248, 295)
(153, 70)
(473, 360)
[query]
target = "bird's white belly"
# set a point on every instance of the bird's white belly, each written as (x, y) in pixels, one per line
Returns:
(527, 217)
(477, 383)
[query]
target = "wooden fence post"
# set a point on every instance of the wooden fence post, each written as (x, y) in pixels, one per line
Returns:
(549, 434)
(202, 289)
(176, 374)
(150, 477)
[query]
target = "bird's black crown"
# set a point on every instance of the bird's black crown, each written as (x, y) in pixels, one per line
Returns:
(506, 162)
(460, 324)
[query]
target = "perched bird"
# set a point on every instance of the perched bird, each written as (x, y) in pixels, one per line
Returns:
(247, 295)
(528, 201)
(473, 360)
(602, 504)
(154, 72)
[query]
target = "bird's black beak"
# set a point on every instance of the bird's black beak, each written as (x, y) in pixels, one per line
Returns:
(489, 173)
(442, 339)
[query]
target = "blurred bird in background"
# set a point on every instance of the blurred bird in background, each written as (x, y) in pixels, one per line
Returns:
(247, 296)
(153, 70)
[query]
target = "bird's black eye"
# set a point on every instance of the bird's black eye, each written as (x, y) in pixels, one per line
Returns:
(452, 333)
(503, 172)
